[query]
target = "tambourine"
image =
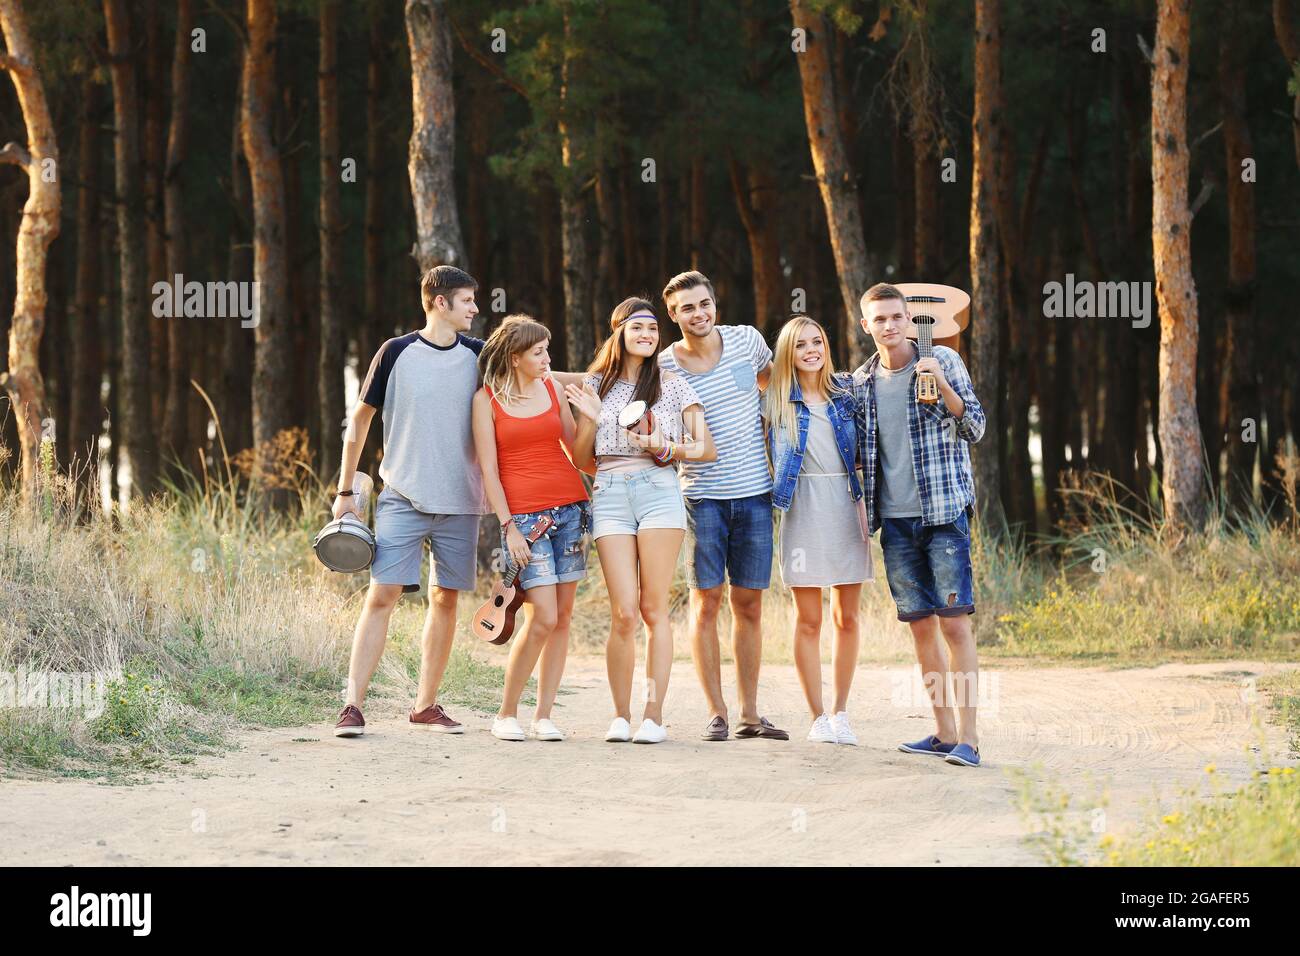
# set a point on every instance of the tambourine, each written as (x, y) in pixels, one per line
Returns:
(346, 544)
(637, 418)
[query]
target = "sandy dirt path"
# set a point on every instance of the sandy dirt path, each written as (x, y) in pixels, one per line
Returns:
(400, 796)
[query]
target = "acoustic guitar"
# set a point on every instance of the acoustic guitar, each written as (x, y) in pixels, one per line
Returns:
(494, 621)
(938, 312)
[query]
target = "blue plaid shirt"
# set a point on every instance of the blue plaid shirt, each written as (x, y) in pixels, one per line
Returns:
(940, 442)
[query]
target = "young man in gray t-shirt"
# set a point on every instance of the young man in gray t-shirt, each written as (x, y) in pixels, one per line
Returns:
(423, 383)
(916, 478)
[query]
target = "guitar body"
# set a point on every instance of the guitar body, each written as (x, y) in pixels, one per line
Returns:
(939, 313)
(494, 621)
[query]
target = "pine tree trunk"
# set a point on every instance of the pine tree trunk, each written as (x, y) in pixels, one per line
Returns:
(272, 384)
(756, 195)
(576, 264)
(904, 199)
(139, 427)
(1243, 389)
(234, 402)
(155, 150)
(431, 160)
(40, 224)
(1182, 481)
(181, 340)
(87, 416)
(835, 179)
(329, 377)
(368, 335)
(985, 255)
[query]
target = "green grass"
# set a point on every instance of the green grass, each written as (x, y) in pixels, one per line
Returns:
(1123, 588)
(1252, 825)
(1284, 699)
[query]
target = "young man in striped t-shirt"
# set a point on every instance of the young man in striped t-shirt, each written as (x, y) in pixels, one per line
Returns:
(729, 500)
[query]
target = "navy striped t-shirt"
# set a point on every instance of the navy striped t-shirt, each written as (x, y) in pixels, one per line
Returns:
(730, 395)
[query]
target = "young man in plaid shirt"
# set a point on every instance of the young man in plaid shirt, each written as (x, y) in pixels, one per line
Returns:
(919, 491)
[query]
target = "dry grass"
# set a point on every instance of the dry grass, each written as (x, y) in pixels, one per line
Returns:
(221, 611)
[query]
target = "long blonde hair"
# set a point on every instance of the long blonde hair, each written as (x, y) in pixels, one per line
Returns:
(516, 333)
(778, 409)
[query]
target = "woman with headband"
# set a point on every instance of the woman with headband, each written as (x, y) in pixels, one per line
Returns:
(635, 423)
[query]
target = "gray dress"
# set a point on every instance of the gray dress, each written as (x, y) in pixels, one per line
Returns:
(820, 539)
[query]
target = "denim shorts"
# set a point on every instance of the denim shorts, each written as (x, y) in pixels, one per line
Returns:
(625, 502)
(400, 532)
(928, 567)
(731, 538)
(559, 555)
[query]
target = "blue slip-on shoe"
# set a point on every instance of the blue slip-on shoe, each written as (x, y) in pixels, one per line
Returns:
(930, 745)
(964, 755)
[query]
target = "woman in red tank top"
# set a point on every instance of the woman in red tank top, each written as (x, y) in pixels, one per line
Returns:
(522, 432)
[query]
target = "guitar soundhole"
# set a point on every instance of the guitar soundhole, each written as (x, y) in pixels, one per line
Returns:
(498, 600)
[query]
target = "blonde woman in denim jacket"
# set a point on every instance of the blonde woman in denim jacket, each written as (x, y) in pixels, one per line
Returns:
(812, 438)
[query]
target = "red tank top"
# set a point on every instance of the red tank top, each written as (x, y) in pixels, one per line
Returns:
(535, 472)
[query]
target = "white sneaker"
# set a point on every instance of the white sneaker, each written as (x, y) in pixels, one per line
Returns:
(544, 729)
(507, 728)
(822, 732)
(620, 731)
(650, 733)
(843, 732)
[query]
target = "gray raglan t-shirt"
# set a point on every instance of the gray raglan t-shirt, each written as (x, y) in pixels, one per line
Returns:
(426, 393)
(898, 495)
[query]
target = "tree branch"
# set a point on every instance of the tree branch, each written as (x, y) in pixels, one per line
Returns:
(16, 154)
(1146, 50)
(10, 62)
(1206, 135)
(483, 60)
(1207, 190)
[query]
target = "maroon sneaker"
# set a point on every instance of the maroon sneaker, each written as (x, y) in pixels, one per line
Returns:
(351, 723)
(435, 718)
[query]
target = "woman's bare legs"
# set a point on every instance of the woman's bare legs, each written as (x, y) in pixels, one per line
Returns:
(618, 562)
(807, 645)
(844, 660)
(556, 650)
(658, 549)
(539, 625)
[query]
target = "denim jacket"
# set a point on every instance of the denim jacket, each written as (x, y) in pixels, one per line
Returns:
(787, 458)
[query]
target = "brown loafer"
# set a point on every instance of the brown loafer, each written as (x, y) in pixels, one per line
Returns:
(764, 729)
(351, 723)
(717, 730)
(436, 719)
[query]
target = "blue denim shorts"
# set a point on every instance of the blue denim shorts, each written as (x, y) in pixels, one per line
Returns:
(559, 555)
(625, 502)
(400, 533)
(729, 538)
(928, 567)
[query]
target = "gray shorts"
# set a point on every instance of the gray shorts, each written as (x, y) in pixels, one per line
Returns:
(400, 533)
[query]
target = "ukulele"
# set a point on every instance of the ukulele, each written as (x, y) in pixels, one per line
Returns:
(494, 621)
(937, 311)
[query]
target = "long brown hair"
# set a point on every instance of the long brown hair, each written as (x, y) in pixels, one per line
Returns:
(516, 333)
(609, 361)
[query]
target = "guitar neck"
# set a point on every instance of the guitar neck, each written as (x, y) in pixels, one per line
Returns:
(924, 336)
(539, 529)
